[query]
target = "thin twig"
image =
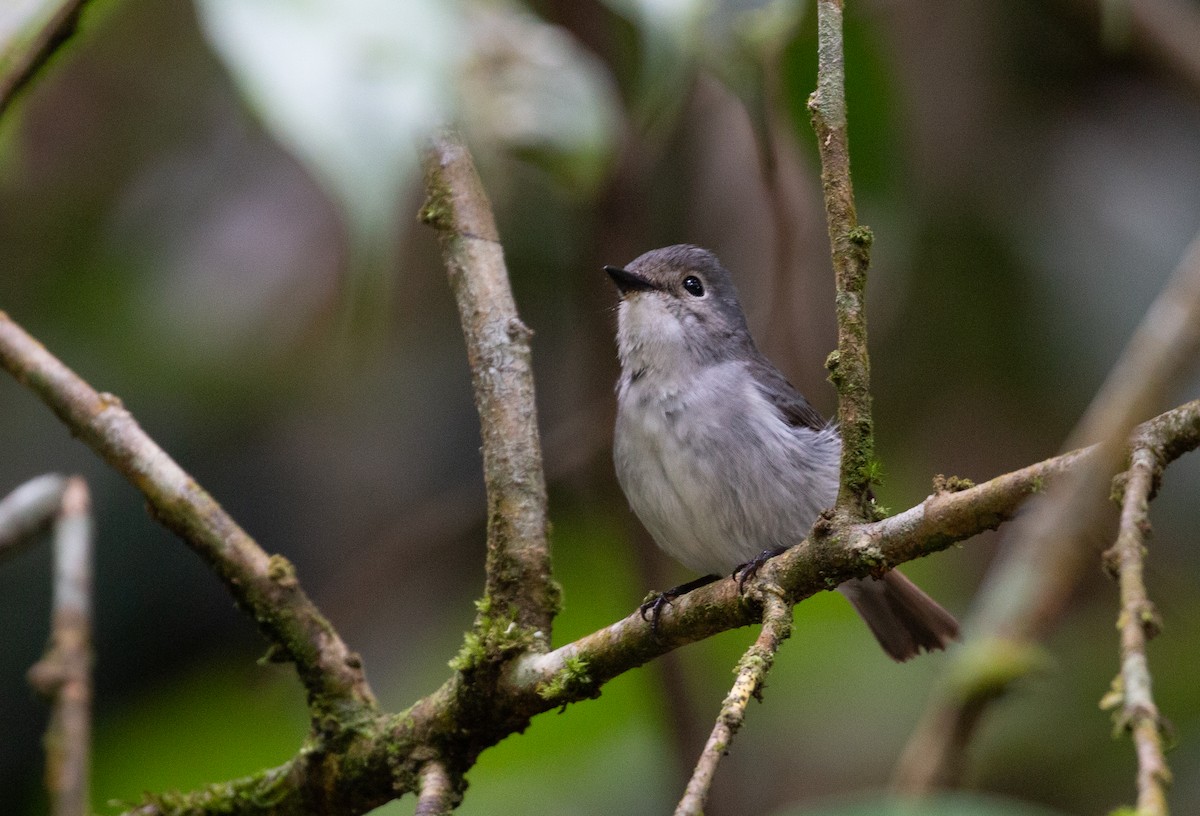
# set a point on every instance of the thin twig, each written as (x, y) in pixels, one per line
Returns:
(436, 794)
(28, 509)
(751, 674)
(29, 53)
(518, 552)
(849, 366)
(1026, 593)
(265, 586)
(64, 674)
(1137, 623)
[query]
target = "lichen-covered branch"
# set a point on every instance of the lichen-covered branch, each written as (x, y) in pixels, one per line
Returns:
(64, 674)
(28, 509)
(519, 583)
(30, 51)
(941, 520)
(850, 244)
(1137, 623)
(265, 586)
(751, 674)
(484, 701)
(1025, 594)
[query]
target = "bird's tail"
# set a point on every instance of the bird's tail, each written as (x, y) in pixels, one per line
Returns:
(903, 618)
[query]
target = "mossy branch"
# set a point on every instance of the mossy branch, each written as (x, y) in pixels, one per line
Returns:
(484, 702)
(498, 351)
(850, 245)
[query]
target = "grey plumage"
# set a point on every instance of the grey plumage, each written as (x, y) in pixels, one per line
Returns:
(719, 456)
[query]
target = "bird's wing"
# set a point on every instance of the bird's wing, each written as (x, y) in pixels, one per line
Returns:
(783, 395)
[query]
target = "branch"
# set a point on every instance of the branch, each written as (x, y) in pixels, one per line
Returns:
(519, 585)
(1027, 591)
(939, 522)
(465, 716)
(64, 674)
(29, 52)
(1137, 623)
(28, 509)
(751, 674)
(849, 366)
(265, 586)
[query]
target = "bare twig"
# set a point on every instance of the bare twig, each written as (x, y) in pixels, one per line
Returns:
(265, 586)
(518, 553)
(1027, 591)
(64, 674)
(849, 366)
(751, 674)
(30, 52)
(1137, 623)
(28, 509)
(436, 794)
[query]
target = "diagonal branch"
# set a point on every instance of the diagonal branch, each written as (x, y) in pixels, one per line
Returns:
(64, 674)
(751, 674)
(1137, 623)
(849, 366)
(518, 552)
(30, 51)
(265, 586)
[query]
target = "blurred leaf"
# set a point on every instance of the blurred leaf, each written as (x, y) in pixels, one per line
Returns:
(670, 32)
(346, 85)
(531, 88)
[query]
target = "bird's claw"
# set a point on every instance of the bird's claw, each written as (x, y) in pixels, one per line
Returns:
(746, 572)
(651, 609)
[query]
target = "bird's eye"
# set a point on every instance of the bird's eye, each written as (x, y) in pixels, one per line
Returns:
(693, 285)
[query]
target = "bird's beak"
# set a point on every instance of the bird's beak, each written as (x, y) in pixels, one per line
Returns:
(627, 281)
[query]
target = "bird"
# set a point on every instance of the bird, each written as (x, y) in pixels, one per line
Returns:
(723, 461)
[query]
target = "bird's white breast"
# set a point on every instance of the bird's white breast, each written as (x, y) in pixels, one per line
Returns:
(712, 469)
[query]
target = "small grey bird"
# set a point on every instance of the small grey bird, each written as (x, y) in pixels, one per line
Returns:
(725, 462)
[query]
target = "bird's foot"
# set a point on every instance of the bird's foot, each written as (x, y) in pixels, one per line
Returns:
(746, 572)
(651, 609)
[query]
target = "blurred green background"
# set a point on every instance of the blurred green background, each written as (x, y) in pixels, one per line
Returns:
(209, 210)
